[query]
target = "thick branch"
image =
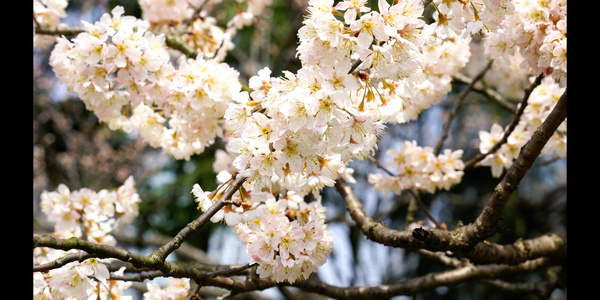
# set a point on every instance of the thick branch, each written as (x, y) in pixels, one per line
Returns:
(423, 283)
(220, 278)
(486, 223)
(442, 240)
(61, 30)
(93, 249)
(550, 244)
(437, 240)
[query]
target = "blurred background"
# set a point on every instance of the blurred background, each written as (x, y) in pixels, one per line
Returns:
(71, 147)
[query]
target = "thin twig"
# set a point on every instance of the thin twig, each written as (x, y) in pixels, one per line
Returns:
(487, 92)
(195, 292)
(379, 165)
(355, 65)
(59, 262)
(164, 251)
(458, 105)
(229, 271)
(416, 195)
(511, 127)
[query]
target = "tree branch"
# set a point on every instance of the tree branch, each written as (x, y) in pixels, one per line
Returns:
(61, 30)
(461, 99)
(456, 276)
(511, 126)
(486, 223)
(173, 42)
(541, 289)
(488, 92)
(95, 250)
(443, 240)
(423, 283)
(164, 251)
(67, 258)
(176, 43)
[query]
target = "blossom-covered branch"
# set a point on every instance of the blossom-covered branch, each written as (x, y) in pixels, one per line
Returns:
(362, 69)
(408, 287)
(487, 222)
(462, 239)
(162, 253)
(511, 126)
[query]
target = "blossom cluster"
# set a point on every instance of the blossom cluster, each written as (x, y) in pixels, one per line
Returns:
(157, 11)
(201, 31)
(88, 215)
(286, 236)
(470, 16)
(48, 14)
(538, 31)
(78, 280)
(418, 167)
(506, 77)
(175, 289)
(123, 73)
(287, 250)
(539, 105)
(299, 131)
(289, 136)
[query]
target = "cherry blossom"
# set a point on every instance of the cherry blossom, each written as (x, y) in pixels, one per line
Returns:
(538, 31)
(48, 13)
(128, 81)
(88, 214)
(287, 250)
(293, 135)
(175, 289)
(540, 103)
(417, 167)
(85, 212)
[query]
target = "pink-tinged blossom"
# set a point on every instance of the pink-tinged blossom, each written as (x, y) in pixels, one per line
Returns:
(538, 31)
(48, 14)
(175, 289)
(497, 162)
(123, 73)
(352, 8)
(287, 250)
(539, 105)
(489, 139)
(88, 213)
(78, 280)
(369, 27)
(414, 166)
